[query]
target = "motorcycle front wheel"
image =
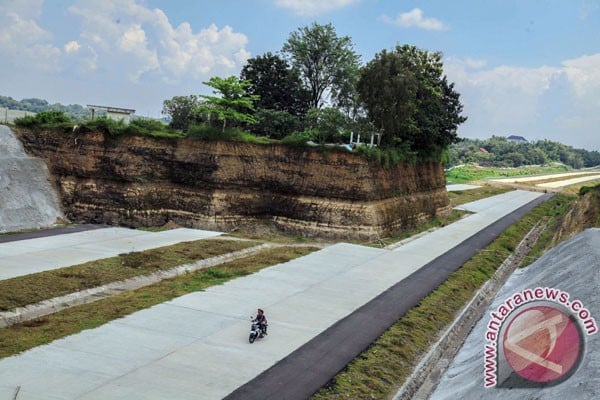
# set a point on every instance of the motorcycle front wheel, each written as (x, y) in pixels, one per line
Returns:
(252, 337)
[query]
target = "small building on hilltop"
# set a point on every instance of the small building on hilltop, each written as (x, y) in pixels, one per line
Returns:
(113, 112)
(517, 139)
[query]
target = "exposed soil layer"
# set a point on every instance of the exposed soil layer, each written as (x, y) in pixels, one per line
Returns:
(143, 181)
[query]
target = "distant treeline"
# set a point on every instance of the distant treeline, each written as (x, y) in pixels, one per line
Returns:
(74, 111)
(501, 152)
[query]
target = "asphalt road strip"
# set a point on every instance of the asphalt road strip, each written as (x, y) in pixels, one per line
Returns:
(310, 367)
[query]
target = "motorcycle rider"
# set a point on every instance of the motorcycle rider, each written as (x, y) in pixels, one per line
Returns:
(261, 319)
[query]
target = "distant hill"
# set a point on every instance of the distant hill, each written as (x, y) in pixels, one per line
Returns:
(75, 111)
(499, 151)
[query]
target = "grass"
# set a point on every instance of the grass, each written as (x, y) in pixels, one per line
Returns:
(30, 289)
(466, 196)
(574, 189)
(381, 369)
(471, 173)
(21, 337)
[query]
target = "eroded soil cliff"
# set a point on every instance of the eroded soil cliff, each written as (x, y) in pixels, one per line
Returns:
(142, 181)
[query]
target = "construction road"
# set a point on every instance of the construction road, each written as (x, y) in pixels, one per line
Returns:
(323, 310)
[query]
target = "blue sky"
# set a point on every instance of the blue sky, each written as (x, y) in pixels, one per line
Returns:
(524, 67)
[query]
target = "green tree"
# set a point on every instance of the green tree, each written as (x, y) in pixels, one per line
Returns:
(409, 99)
(327, 62)
(278, 85)
(515, 159)
(328, 124)
(275, 124)
(234, 104)
(183, 111)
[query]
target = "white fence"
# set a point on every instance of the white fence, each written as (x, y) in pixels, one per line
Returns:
(8, 116)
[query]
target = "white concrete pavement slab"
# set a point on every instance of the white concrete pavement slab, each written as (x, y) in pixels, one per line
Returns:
(459, 187)
(25, 257)
(195, 346)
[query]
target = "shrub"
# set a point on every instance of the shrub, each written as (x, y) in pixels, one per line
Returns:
(213, 133)
(27, 121)
(52, 117)
(106, 125)
(586, 189)
(388, 156)
(299, 138)
(275, 124)
(149, 124)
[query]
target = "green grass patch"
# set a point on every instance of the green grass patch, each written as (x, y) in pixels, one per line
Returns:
(469, 173)
(30, 289)
(380, 370)
(467, 196)
(21, 337)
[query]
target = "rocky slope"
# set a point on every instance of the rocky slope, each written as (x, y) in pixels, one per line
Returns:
(142, 181)
(27, 199)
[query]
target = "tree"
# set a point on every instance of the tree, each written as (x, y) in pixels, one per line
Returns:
(327, 63)
(327, 124)
(182, 110)
(233, 105)
(410, 101)
(275, 124)
(278, 85)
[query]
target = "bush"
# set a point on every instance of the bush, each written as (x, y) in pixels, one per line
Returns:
(27, 121)
(149, 124)
(213, 133)
(274, 124)
(106, 125)
(299, 138)
(329, 123)
(388, 156)
(43, 118)
(150, 127)
(586, 189)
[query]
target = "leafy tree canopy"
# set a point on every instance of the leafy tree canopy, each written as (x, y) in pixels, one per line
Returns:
(327, 63)
(278, 85)
(410, 101)
(499, 151)
(182, 110)
(234, 104)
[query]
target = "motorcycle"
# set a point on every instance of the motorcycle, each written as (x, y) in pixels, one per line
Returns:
(256, 331)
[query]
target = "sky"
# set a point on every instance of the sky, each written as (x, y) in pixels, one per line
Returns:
(523, 67)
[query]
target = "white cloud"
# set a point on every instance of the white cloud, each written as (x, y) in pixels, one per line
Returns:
(312, 8)
(23, 43)
(140, 41)
(72, 47)
(584, 72)
(558, 103)
(415, 19)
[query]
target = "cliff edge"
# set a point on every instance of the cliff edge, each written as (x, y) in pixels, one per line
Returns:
(144, 181)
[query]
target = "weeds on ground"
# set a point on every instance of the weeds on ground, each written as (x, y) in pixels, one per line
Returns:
(466, 196)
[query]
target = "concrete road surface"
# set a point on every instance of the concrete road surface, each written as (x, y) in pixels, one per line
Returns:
(195, 346)
(29, 256)
(457, 187)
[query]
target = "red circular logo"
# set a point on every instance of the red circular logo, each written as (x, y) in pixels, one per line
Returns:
(542, 344)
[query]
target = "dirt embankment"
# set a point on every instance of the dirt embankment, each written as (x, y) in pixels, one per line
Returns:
(584, 214)
(142, 181)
